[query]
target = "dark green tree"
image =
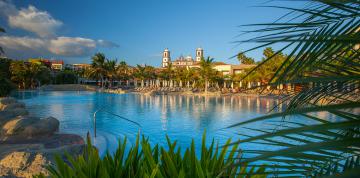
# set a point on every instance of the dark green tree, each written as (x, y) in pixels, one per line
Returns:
(243, 59)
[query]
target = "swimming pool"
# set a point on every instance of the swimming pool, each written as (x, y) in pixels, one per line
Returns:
(180, 117)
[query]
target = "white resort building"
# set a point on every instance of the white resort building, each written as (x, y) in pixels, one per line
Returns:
(189, 62)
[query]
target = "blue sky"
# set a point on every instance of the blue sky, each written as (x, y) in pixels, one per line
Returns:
(135, 31)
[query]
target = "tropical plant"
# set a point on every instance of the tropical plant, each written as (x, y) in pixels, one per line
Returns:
(244, 59)
(191, 74)
(206, 70)
(5, 86)
(18, 73)
(98, 68)
(5, 67)
(167, 73)
(66, 77)
(325, 62)
(123, 71)
(144, 160)
(110, 68)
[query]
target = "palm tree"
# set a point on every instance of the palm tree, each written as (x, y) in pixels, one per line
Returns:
(98, 68)
(243, 59)
(140, 74)
(110, 68)
(123, 71)
(32, 70)
(206, 70)
(18, 73)
(324, 60)
(191, 74)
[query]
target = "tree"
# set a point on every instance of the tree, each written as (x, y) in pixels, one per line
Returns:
(5, 84)
(206, 70)
(167, 73)
(110, 68)
(18, 73)
(319, 60)
(243, 59)
(140, 72)
(28, 75)
(5, 68)
(123, 71)
(98, 68)
(66, 77)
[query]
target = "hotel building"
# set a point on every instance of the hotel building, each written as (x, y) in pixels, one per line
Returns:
(189, 62)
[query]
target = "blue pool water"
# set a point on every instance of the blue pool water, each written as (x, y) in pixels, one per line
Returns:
(179, 117)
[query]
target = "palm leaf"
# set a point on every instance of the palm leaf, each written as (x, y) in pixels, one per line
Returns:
(325, 62)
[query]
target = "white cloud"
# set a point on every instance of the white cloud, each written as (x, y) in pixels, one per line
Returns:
(60, 46)
(67, 46)
(106, 44)
(33, 20)
(47, 43)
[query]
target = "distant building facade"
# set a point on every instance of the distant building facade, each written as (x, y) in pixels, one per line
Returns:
(78, 67)
(57, 64)
(189, 62)
(182, 61)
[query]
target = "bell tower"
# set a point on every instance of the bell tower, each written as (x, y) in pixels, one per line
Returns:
(199, 54)
(166, 59)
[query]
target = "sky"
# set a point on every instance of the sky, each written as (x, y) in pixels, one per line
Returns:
(131, 30)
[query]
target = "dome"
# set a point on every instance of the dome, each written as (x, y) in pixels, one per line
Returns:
(166, 49)
(199, 49)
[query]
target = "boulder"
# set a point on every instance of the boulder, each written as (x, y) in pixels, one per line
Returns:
(23, 164)
(13, 106)
(30, 126)
(27, 160)
(6, 101)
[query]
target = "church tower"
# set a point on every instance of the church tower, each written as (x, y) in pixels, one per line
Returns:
(199, 54)
(166, 60)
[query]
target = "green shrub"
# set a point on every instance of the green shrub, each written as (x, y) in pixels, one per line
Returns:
(5, 67)
(66, 77)
(5, 86)
(142, 160)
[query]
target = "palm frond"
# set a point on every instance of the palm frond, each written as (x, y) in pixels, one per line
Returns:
(324, 62)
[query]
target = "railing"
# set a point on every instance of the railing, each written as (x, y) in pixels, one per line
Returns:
(121, 117)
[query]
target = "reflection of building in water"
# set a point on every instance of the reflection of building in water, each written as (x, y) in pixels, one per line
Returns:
(164, 113)
(257, 105)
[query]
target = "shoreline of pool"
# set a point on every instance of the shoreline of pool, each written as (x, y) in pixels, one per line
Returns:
(151, 91)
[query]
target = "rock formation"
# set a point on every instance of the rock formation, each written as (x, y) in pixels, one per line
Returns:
(28, 144)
